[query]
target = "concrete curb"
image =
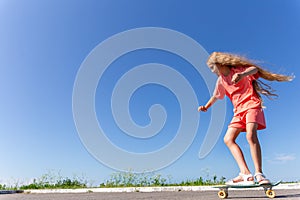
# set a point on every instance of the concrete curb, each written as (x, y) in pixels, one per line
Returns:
(151, 189)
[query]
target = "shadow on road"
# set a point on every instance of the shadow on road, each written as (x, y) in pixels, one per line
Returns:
(288, 196)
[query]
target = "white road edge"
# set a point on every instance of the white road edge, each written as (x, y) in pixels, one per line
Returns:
(152, 189)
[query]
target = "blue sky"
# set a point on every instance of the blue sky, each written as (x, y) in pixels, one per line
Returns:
(44, 43)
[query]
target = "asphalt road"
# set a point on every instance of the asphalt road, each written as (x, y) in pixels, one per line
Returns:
(183, 195)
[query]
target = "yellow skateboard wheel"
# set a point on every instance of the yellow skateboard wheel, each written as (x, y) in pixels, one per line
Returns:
(222, 194)
(270, 193)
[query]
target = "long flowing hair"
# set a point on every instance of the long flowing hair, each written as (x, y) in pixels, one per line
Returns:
(234, 60)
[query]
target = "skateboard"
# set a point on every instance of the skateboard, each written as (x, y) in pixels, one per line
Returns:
(223, 189)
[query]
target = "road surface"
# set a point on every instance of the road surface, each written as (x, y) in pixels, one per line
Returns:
(290, 194)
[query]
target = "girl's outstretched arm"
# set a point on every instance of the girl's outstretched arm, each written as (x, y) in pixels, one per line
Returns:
(249, 71)
(210, 102)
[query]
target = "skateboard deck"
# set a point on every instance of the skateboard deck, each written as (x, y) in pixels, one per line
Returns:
(268, 188)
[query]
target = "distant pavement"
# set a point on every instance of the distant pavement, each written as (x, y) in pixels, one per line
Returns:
(283, 192)
(183, 195)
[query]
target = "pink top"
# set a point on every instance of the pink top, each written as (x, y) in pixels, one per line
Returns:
(242, 94)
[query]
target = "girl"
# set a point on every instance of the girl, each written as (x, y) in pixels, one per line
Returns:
(237, 79)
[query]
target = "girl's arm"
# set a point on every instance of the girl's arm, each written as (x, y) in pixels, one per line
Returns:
(249, 71)
(210, 102)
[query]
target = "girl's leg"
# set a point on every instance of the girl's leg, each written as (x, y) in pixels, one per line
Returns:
(237, 153)
(256, 152)
(254, 146)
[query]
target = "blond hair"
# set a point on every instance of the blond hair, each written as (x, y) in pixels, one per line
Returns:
(233, 60)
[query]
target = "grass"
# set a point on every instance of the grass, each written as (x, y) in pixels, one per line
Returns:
(52, 180)
(60, 184)
(130, 179)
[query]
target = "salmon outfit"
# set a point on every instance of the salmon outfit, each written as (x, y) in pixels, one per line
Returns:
(246, 102)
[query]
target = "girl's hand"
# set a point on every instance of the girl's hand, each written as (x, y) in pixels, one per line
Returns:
(236, 78)
(202, 108)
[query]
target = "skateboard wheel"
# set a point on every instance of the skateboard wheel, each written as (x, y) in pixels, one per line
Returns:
(222, 194)
(270, 193)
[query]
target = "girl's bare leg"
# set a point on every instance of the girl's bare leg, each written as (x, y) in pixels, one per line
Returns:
(237, 153)
(254, 146)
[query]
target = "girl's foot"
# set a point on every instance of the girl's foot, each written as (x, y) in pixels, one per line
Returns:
(242, 179)
(261, 179)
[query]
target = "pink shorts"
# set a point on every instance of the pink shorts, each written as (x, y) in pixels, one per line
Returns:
(255, 115)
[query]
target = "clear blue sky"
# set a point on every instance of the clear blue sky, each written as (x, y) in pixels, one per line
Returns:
(43, 44)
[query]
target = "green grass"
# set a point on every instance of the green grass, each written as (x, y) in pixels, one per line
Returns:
(129, 179)
(65, 183)
(52, 180)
